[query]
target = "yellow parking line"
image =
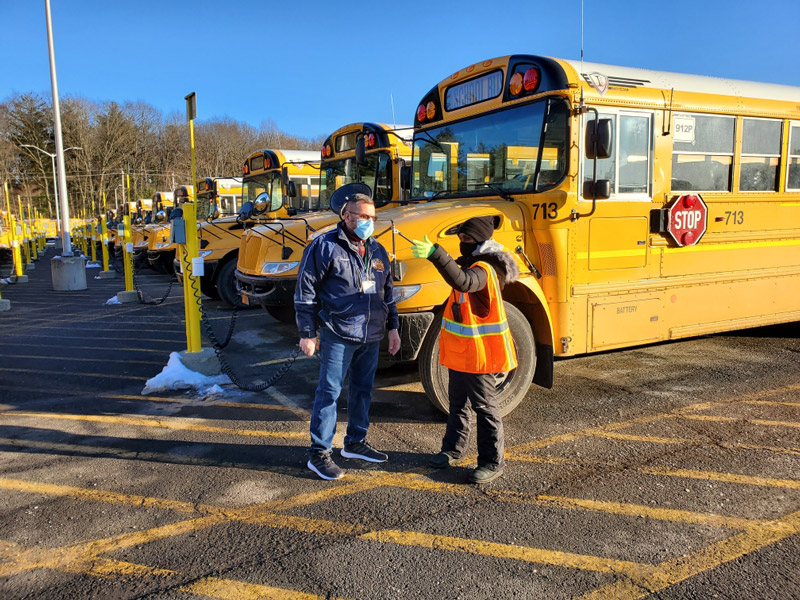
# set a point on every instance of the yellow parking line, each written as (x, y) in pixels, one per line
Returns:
(149, 398)
(158, 422)
(52, 489)
(746, 420)
(74, 373)
(226, 589)
(674, 571)
(79, 359)
(773, 403)
(629, 510)
(792, 484)
(509, 551)
(641, 438)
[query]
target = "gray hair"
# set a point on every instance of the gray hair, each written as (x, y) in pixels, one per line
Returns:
(358, 199)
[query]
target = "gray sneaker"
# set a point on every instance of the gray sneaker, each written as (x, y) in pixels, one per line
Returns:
(363, 451)
(322, 464)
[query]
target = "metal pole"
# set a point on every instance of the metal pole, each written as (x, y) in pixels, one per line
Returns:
(55, 194)
(66, 242)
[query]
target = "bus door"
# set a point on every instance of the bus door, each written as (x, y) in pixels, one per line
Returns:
(613, 241)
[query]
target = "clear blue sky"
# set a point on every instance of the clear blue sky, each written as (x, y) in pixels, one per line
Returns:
(311, 67)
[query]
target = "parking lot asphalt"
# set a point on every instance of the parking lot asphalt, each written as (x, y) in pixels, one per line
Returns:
(669, 471)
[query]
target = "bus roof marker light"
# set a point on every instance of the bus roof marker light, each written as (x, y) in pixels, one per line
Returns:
(515, 85)
(421, 113)
(430, 110)
(531, 80)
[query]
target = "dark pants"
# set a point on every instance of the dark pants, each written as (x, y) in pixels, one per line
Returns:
(477, 390)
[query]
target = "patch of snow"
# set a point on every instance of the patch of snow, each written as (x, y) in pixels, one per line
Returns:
(93, 265)
(113, 299)
(175, 376)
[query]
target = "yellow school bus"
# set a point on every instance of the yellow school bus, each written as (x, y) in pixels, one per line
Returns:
(374, 153)
(641, 206)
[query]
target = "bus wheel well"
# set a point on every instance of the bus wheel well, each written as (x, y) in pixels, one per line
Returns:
(531, 306)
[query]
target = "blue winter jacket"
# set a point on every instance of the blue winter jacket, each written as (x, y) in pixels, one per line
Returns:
(329, 288)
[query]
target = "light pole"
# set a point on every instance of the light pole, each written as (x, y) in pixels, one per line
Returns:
(52, 156)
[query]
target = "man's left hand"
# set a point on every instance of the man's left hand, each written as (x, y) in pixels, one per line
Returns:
(394, 341)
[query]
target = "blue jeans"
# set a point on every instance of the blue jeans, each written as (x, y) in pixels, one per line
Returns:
(337, 356)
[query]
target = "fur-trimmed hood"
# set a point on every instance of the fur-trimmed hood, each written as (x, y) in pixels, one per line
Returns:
(496, 255)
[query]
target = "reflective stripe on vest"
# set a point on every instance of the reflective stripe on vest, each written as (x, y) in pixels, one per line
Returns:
(477, 345)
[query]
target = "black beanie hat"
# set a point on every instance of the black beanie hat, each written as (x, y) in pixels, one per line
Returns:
(479, 229)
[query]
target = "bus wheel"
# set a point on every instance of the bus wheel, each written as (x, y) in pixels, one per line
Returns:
(226, 285)
(284, 314)
(511, 387)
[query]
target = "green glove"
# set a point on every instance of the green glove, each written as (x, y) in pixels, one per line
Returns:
(422, 249)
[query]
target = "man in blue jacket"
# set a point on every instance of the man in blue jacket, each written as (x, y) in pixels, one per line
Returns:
(345, 286)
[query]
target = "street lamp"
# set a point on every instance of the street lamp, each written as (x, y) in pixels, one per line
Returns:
(52, 156)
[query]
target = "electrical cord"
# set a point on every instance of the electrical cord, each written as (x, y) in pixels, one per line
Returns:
(223, 362)
(149, 301)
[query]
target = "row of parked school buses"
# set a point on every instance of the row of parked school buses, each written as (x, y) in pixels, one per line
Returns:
(641, 206)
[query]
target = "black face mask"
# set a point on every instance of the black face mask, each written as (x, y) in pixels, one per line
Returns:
(467, 248)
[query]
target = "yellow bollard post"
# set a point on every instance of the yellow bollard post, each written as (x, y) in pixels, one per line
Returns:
(127, 254)
(26, 252)
(16, 234)
(191, 286)
(34, 234)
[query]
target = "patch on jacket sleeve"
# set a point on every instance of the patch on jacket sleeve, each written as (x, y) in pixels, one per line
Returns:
(377, 265)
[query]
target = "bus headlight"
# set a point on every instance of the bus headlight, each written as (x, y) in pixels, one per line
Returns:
(404, 292)
(278, 267)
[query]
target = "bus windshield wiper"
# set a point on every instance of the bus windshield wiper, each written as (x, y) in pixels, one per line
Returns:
(431, 140)
(500, 191)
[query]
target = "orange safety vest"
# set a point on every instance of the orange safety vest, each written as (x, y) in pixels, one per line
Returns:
(477, 344)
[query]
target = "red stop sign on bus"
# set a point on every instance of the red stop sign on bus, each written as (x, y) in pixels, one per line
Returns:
(687, 219)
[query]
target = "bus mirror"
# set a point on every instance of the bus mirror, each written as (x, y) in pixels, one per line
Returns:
(246, 211)
(177, 213)
(598, 139)
(285, 176)
(600, 189)
(291, 189)
(361, 151)
(161, 216)
(405, 177)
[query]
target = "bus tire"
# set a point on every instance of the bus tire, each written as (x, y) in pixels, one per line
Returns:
(511, 387)
(284, 314)
(226, 284)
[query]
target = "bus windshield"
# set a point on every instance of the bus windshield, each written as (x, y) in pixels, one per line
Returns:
(256, 185)
(521, 149)
(376, 174)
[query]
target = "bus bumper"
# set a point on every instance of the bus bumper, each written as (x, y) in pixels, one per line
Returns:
(265, 291)
(413, 329)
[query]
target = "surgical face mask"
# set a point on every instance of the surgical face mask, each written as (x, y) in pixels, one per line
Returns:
(364, 228)
(468, 248)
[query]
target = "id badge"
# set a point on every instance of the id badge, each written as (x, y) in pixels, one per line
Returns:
(368, 286)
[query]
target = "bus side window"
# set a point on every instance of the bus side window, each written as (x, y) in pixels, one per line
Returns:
(761, 155)
(634, 154)
(702, 152)
(793, 176)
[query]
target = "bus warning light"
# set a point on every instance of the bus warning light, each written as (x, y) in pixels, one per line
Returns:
(430, 110)
(531, 80)
(515, 85)
(421, 113)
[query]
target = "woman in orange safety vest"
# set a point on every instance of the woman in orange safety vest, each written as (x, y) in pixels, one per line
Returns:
(475, 342)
